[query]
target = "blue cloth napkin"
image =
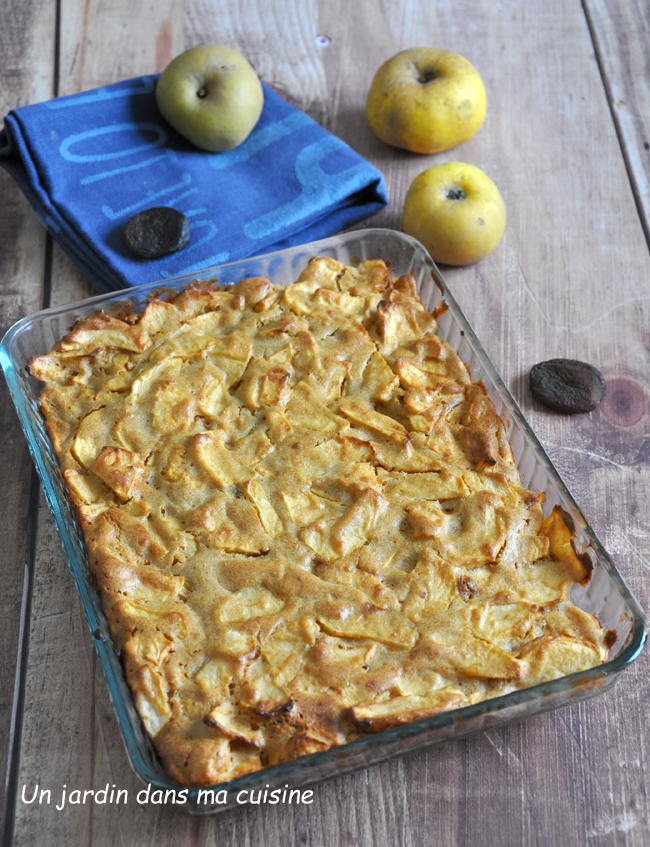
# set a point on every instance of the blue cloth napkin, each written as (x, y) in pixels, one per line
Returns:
(90, 161)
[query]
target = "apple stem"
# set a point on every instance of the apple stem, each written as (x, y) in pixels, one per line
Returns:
(427, 75)
(201, 93)
(456, 193)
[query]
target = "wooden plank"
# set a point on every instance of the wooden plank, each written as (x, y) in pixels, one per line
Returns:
(64, 714)
(621, 32)
(26, 75)
(573, 242)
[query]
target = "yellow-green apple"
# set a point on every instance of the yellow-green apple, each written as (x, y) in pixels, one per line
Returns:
(212, 96)
(456, 211)
(426, 100)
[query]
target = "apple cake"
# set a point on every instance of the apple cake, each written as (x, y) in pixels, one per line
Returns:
(303, 517)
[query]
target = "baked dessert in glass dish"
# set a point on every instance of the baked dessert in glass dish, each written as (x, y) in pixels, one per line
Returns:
(304, 518)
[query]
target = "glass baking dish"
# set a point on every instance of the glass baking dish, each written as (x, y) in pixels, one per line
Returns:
(606, 595)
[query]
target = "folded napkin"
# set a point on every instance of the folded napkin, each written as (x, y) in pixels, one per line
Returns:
(90, 161)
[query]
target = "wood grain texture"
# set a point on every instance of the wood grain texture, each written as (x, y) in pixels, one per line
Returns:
(621, 33)
(569, 279)
(26, 75)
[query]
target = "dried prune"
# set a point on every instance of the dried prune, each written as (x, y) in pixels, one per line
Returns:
(156, 232)
(567, 385)
(465, 587)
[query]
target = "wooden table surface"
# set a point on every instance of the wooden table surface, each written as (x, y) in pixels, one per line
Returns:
(567, 140)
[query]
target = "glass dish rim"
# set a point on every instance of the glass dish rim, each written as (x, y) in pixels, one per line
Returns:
(613, 667)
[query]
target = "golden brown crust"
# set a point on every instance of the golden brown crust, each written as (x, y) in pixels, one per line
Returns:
(304, 518)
